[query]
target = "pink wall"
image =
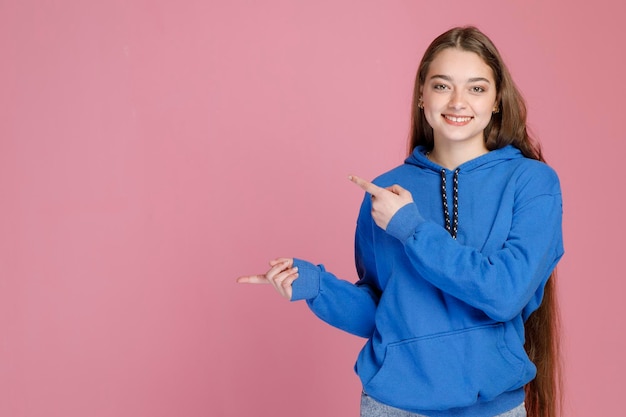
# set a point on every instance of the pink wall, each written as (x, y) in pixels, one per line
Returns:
(152, 150)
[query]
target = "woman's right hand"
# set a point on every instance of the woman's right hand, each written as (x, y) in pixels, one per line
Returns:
(281, 275)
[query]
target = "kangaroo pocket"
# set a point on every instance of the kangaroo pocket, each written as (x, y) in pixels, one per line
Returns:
(447, 370)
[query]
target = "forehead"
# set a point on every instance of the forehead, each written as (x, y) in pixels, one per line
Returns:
(459, 65)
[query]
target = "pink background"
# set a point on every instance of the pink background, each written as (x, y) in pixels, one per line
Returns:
(151, 151)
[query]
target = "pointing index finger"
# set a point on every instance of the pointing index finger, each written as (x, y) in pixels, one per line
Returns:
(367, 186)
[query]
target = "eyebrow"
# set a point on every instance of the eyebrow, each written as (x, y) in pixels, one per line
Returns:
(471, 80)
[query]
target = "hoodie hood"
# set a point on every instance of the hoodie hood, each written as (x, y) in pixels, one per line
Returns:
(451, 209)
(418, 158)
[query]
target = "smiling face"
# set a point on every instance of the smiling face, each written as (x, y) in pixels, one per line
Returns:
(459, 95)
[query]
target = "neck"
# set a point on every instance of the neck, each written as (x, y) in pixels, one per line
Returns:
(450, 156)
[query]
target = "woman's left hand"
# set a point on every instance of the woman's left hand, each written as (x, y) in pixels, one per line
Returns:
(385, 201)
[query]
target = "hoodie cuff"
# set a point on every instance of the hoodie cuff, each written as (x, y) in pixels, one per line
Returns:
(403, 224)
(307, 285)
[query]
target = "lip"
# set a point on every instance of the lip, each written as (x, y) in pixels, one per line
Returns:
(457, 120)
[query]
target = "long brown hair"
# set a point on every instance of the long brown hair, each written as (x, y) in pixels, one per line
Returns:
(507, 127)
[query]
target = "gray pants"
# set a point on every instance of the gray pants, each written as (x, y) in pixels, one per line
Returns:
(372, 408)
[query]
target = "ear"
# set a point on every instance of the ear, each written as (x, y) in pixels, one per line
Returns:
(496, 104)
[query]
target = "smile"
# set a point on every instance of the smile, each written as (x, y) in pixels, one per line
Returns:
(457, 119)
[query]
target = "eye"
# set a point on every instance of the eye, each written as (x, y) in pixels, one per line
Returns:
(440, 87)
(477, 89)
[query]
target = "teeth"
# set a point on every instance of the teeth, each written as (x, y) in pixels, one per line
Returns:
(458, 119)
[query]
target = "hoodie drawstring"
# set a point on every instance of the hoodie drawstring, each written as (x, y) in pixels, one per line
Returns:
(451, 226)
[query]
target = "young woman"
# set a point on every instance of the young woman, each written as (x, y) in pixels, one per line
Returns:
(455, 251)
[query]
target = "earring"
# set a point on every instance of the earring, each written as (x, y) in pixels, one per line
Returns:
(420, 103)
(496, 109)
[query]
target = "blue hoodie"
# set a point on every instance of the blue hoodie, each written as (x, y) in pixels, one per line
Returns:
(444, 317)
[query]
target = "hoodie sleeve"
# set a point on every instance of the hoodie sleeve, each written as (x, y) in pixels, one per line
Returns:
(342, 304)
(502, 283)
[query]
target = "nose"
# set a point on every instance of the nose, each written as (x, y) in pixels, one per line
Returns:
(457, 100)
